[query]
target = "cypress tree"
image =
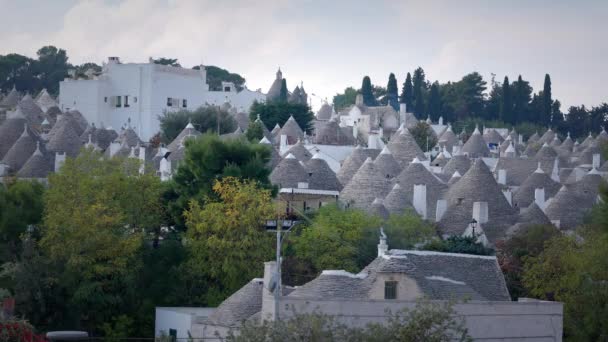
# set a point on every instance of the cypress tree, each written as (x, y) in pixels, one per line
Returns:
(392, 91)
(506, 108)
(547, 101)
(407, 93)
(434, 107)
(366, 91)
(519, 114)
(283, 92)
(418, 83)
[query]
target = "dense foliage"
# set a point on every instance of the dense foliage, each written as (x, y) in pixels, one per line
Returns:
(203, 119)
(424, 136)
(278, 112)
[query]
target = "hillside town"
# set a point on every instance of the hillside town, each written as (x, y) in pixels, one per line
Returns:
(188, 173)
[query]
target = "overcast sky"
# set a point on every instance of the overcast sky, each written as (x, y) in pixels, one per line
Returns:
(332, 44)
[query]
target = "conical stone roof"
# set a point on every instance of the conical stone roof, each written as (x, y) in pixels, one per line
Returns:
(397, 201)
(441, 160)
(538, 179)
(11, 100)
(545, 152)
(386, 164)
(448, 139)
(292, 130)
(330, 133)
(378, 209)
(324, 112)
(533, 138)
(366, 185)
(11, 130)
(458, 162)
(568, 144)
(547, 137)
(38, 165)
(275, 157)
(417, 174)
(555, 143)
(476, 146)
(455, 178)
(530, 216)
(52, 113)
(588, 141)
(45, 101)
(274, 91)
(129, 137)
(300, 152)
(21, 150)
(188, 130)
(351, 164)
(404, 148)
(492, 137)
(476, 185)
(321, 176)
(65, 138)
(289, 173)
(586, 156)
(603, 136)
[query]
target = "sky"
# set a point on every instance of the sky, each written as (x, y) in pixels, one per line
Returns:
(330, 45)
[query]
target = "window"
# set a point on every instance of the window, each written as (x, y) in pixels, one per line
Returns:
(169, 102)
(105, 99)
(185, 103)
(127, 101)
(134, 99)
(226, 88)
(118, 101)
(390, 289)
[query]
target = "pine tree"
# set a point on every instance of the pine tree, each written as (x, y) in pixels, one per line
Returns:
(519, 114)
(434, 105)
(366, 91)
(283, 92)
(418, 84)
(407, 92)
(547, 101)
(392, 92)
(506, 108)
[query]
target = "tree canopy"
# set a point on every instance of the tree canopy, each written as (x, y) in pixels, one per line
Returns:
(367, 92)
(273, 113)
(203, 119)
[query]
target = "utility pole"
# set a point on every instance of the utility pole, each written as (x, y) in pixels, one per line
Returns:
(218, 120)
(277, 290)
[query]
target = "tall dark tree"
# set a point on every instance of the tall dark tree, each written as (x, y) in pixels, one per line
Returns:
(434, 103)
(407, 92)
(492, 106)
(523, 96)
(557, 117)
(392, 92)
(547, 101)
(366, 91)
(576, 121)
(52, 67)
(419, 85)
(506, 108)
(283, 95)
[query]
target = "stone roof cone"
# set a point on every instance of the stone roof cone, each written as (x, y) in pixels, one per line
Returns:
(404, 148)
(288, 173)
(366, 185)
(351, 164)
(321, 176)
(476, 146)
(386, 164)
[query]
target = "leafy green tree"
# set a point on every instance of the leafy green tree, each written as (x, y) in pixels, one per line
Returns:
(506, 108)
(167, 61)
(408, 230)
(392, 92)
(51, 68)
(255, 132)
(338, 239)
(341, 101)
(283, 94)
(458, 244)
(203, 119)
(227, 244)
(217, 75)
(547, 101)
(419, 84)
(523, 96)
(273, 113)
(93, 259)
(21, 205)
(207, 159)
(492, 106)
(424, 135)
(434, 104)
(426, 321)
(17, 70)
(577, 121)
(366, 90)
(407, 92)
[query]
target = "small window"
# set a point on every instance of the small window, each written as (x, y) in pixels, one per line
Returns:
(118, 101)
(185, 103)
(459, 200)
(226, 88)
(105, 99)
(390, 289)
(169, 102)
(127, 101)
(134, 99)
(304, 206)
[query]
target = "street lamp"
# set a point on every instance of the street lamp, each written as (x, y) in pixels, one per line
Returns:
(473, 226)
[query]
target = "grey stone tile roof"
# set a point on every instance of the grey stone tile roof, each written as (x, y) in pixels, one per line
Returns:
(275, 157)
(64, 137)
(531, 149)
(45, 101)
(587, 141)
(448, 139)
(11, 99)
(129, 137)
(292, 130)
(324, 112)
(11, 130)
(21, 150)
(51, 114)
(533, 138)
(101, 137)
(189, 130)
(321, 176)
(237, 308)
(440, 160)
(417, 174)
(602, 137)
(365, 186)
(351, 164)
(242, 120)
(476, 146)
(300, 152)
(438, 276)
(39, 165)
(492, 137)
(238, 133)
(289, 173)
(567, 144)
(79, 119)
(545, 152)
(555, 143)
(386, 164)
(524, 195)
(397, 201)
(547, 137)
(455, 178)
(404, 148)
(378, 209)
(574, 201)
(330, 133)
(458, 162)
(32, 112)
(265, 130)
(586, 156)
(533, 214)
(476, 185)
(519, 169)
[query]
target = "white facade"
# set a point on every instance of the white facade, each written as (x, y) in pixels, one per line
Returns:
(139, 92)
(180, 321)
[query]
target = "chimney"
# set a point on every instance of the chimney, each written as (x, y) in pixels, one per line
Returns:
(502, 177)
(372, 142)
(165, 169)
(283, 142)
(113, 60)
(480, 212)
(359, 100)
(441, 121)
(114, 147)
(520, 139)
(402, 111)
(420, 199)
(142, 158)
(355, 130)
(508, 195)
(270, 284)
(442, 206)
(596, 161)
(539, 198)
(59, 160)
(555, 171)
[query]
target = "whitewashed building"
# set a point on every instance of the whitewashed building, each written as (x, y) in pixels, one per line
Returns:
(139, 92)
